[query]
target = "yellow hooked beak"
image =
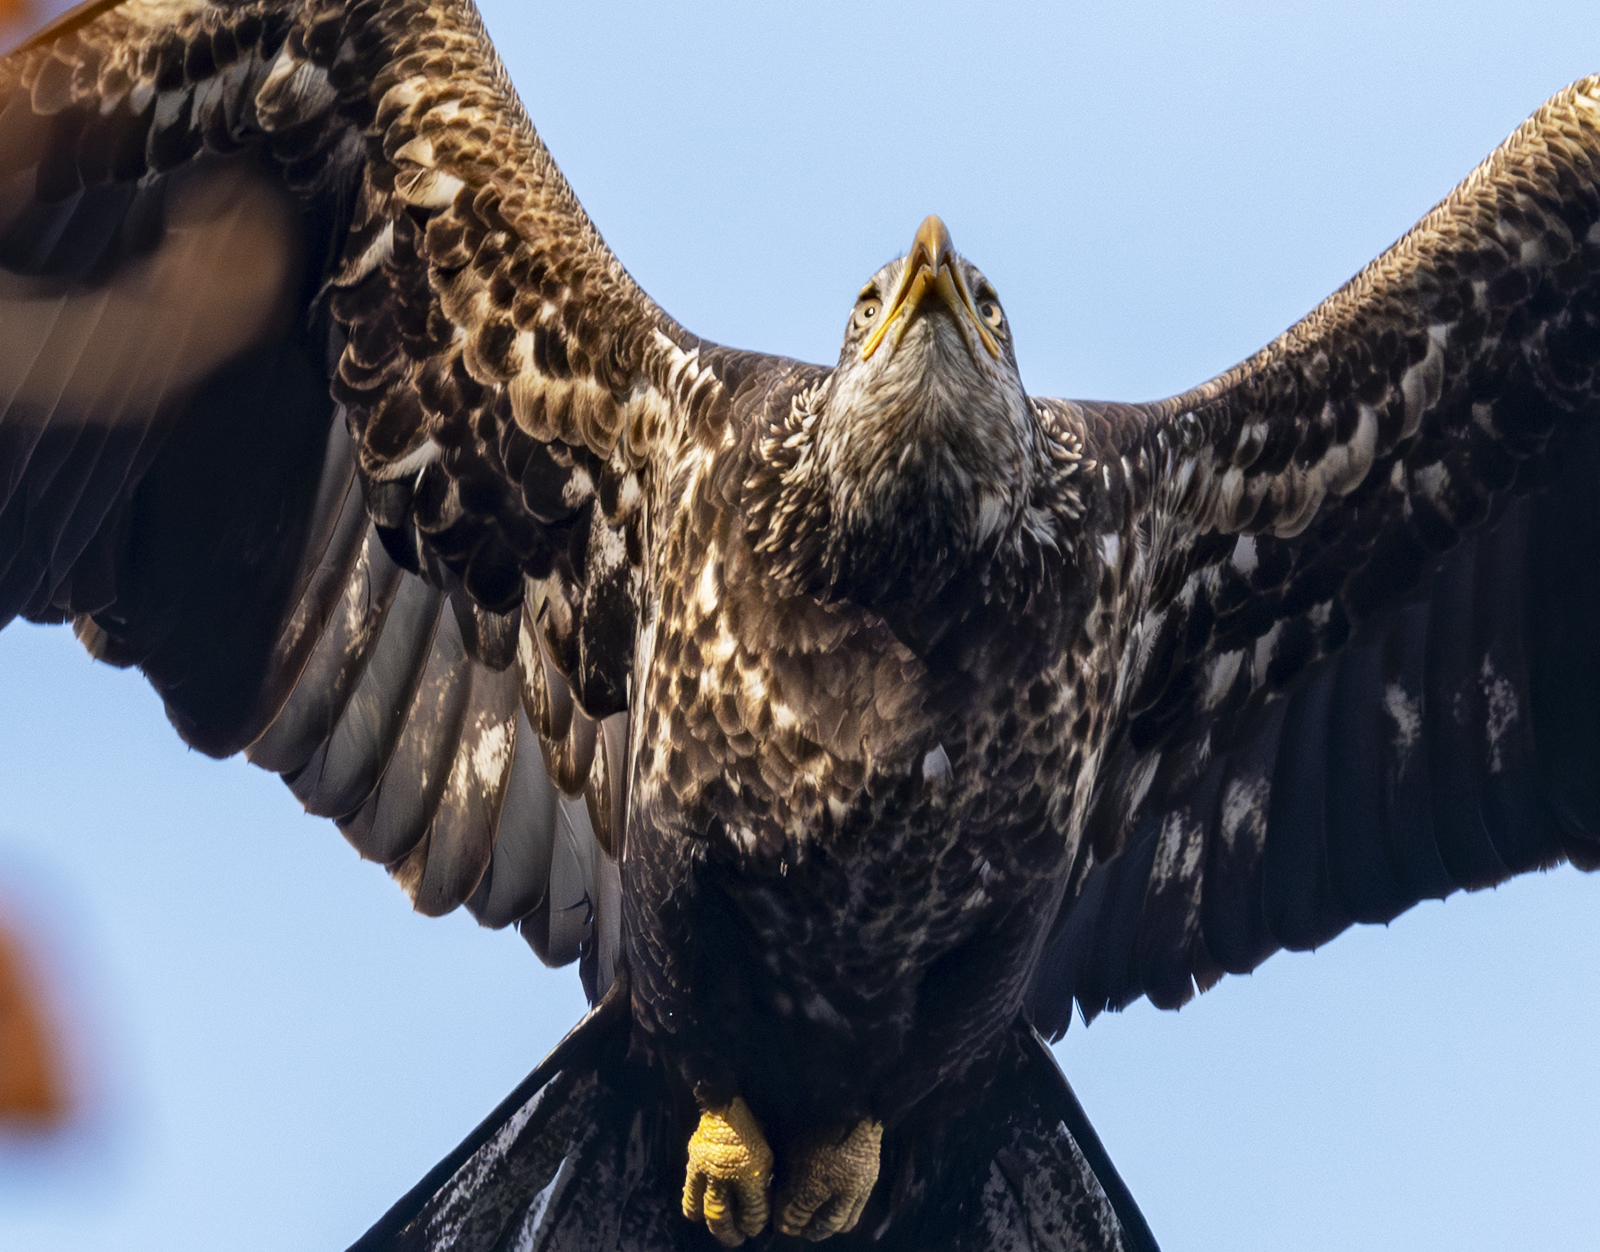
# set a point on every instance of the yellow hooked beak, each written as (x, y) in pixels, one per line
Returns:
(929, 265)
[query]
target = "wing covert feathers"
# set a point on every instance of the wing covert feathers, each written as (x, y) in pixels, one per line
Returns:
(1357, 579)
(1490, 293)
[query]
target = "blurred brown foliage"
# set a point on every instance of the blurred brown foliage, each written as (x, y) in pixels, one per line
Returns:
(32, 1095)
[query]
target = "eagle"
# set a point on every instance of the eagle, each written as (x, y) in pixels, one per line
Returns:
(846, 726)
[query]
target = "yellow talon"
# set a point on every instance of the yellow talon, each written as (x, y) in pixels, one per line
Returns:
(730, 1169)
(829, 1183)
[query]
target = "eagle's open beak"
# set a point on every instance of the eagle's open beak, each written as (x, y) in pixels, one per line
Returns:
(929, 264)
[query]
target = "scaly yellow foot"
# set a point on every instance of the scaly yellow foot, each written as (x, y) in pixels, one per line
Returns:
(730, 1169)
(829, 1181)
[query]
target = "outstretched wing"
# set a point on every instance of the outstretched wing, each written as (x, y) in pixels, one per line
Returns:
(1361, 580)
(324, 403)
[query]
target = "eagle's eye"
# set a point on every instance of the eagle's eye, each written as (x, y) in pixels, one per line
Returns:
(989, 311)
(867, 311)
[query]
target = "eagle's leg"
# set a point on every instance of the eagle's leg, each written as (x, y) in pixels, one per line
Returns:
(829, 1180)
(730, 1169)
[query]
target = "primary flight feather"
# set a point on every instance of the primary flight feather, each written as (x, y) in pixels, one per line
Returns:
(846, 724)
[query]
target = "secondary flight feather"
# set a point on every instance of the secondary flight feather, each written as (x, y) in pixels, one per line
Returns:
(847, 724)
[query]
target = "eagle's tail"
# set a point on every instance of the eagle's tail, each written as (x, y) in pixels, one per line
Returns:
(573, 1160)
(1051, 1184)
(582, 1158)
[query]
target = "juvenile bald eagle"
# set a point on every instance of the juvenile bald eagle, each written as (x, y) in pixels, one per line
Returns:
(846, 725)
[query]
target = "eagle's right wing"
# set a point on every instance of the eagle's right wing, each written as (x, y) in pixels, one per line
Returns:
(324, 403)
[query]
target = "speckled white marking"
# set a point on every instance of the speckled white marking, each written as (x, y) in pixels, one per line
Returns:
(1244, 555)
(1347, 464)
(721, 650)
(460, 1191)
(356, 599)
(992, 513)
(541, 1202)
(1178, 853)
(1421, 385)
(424, 453)
(1220, 676)
(1230, 491)
(1139, 785)
(1405, 711)
(608, 549)
(428, 189)
(1432, 480)
(936, 764)
(1184, 475)
(1253, 436)
(1244, 811)
(492, 753)
(292, 85)
(817, 1009)
(630, 495)
(578, 488)
(1501, 698)
(381, 249)
(1267, 648)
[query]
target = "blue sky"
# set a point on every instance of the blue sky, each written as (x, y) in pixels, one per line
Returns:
(278, 1048)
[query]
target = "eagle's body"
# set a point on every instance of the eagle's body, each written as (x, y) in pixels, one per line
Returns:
(808, 807)
(847, 724)
(843, 803)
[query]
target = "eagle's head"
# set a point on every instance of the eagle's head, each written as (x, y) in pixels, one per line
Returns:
(920, 456)
(927, 392)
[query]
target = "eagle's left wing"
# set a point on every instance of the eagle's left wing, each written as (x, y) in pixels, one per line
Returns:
(324, 403)
(1359, 579)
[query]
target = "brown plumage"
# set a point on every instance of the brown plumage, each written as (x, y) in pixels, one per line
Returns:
(861, 716)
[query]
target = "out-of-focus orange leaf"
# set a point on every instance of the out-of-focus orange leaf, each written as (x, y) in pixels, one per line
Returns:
(31, 1091)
